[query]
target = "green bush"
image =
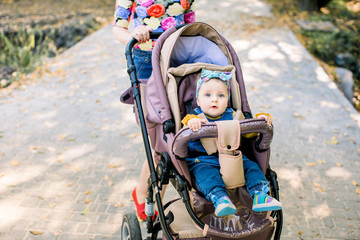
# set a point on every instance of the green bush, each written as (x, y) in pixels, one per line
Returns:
(21, 51)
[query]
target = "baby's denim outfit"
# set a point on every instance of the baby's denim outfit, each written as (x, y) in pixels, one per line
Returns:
(206, 168)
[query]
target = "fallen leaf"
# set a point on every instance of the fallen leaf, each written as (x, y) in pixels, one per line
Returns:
(321, 161)
(86, 201)
(114, 165)
(299, 232)
(358, 191)
(134, 135)
(310, 164)
(36, 232)
(339, 164)
(94, 135)
(86, 211)
(15, 163)
(87, 192)
(298, 116)
(106, 177)
(73, 167)
(333, 141)
(110, 183)
(37, 149)
(62, 137)
(43, 216)
(316, 185)
(119, 205)
(2, 175)
(355, 183)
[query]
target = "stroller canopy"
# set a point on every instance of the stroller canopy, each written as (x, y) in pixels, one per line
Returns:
(195, 42)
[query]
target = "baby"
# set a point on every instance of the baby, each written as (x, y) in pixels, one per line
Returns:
(212, 95)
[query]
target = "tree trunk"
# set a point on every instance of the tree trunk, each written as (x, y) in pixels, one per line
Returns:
(311, 5)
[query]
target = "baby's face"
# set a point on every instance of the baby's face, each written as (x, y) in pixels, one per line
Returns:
(213, 97)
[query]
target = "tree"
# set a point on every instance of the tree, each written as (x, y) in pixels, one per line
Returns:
(312, 5)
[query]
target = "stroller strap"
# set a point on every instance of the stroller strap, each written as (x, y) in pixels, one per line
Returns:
(210, 143)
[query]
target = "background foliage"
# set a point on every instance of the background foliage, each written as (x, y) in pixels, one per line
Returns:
(33, 29)
(340, 48)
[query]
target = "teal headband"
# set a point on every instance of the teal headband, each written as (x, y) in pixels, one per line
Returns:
(206, 75)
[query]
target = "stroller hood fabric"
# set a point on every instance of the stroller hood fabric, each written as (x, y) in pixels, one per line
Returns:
(164, 56)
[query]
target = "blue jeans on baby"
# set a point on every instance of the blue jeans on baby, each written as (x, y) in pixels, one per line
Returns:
(142, 61)
(210, 183)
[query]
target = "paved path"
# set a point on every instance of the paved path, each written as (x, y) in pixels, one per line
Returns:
(70, 153)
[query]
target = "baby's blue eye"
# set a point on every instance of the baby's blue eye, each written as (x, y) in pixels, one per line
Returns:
(221, 95)
(207, 94)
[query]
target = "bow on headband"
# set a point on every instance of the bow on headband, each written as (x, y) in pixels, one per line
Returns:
(206, 75)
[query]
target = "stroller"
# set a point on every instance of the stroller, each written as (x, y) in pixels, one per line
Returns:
(161, 102)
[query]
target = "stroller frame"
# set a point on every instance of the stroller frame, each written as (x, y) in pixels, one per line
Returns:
(165, 172)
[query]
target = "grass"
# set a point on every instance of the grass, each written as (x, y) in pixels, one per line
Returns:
(20, 51)
(326, 46)
(23, 42)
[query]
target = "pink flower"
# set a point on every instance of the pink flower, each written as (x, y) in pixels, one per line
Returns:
(189, 17)
(168, 23)
(146, 3)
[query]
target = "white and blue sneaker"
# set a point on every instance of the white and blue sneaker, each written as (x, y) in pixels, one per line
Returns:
(224, 207)
(263, 202)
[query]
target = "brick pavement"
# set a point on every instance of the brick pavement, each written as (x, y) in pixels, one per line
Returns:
(70, 152)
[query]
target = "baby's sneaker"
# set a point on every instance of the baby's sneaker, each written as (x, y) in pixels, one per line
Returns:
(263, 202)
(224, 207)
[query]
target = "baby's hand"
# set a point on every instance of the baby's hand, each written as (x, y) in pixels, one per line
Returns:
(195, 124)
(268, 119)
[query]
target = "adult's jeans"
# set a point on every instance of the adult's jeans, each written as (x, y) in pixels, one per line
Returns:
(142, 61)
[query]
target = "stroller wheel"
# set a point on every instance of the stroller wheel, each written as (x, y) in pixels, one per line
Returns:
(130, 228)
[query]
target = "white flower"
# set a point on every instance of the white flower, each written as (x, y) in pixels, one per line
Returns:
(152, 22)
(146, 46)
(122, 23)
(124, 3)
(175, 9)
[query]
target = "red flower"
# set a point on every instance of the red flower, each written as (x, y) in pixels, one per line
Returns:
(185, 4)
(156, 10)
(133, 7)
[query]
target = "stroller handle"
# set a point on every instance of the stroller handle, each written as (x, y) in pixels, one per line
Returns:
(133, 41)
(209, 130)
